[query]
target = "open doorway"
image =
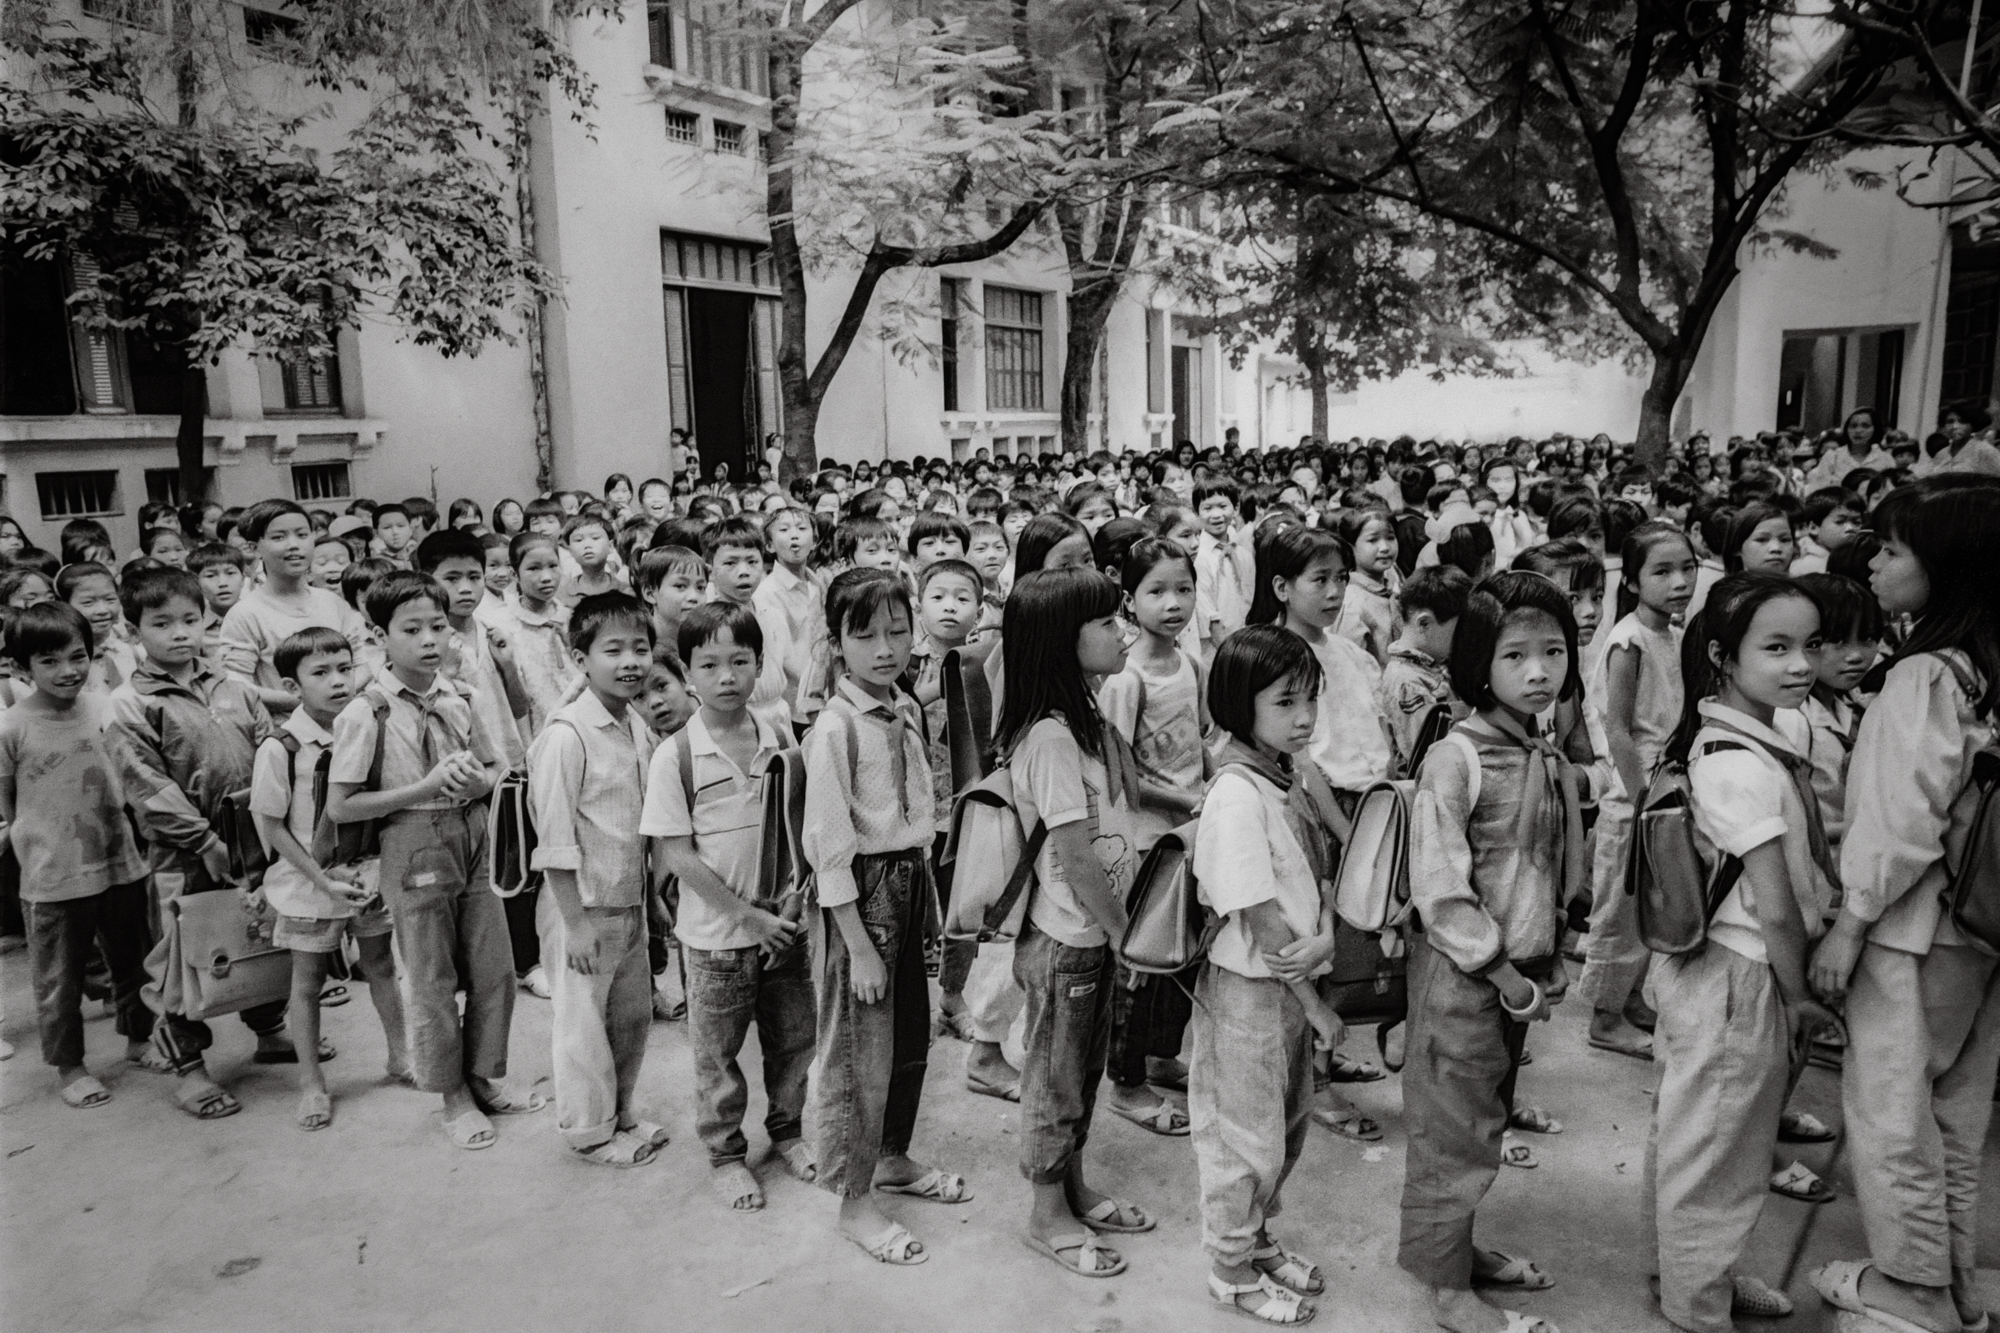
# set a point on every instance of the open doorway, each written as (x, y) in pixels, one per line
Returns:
(722, 377)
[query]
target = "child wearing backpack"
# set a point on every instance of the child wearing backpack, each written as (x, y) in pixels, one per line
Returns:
(868, 832)
(1077, 778)
(1850, 631)
(1156, 705)
(1250, 1083)
(1635, 695)
(1496, 849)
(1734, 1013)
(1416, 681)
(705, 803)
(1922, 1006)
(319, 905)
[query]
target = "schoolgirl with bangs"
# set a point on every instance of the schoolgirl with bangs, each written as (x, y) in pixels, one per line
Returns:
(1076, 776)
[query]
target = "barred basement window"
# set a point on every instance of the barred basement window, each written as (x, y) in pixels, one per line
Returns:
(683, 127)
(163, 485)
(321, 481)
(728, 138)
(78, 494)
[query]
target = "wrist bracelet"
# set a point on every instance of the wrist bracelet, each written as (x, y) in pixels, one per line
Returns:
(1533, 1004)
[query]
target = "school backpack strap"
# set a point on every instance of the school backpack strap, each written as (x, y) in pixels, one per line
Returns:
(1473, 774)
(1730, 869)
(967, 715)
(684, 765)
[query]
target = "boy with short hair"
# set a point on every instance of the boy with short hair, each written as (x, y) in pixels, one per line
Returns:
(395, 535)
(1831, 518)
(284, 604)
(82, 879)
(164, 544)
(736, 559)
(865, 543)
(436, 763)
(185, 736)
(424, 518)
(1224, 567)
(790, 602)
(673, 580)
(703, 799)
(1417, 676)
(934, 537)
(319, 904)
(587, 538)
(656, 500)
(330, 559)
(587, 777)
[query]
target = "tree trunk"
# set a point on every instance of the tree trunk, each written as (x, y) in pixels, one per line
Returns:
(1656, 408)
(188, 439)
(536, 315)
(1087, 317)
(1316, 377)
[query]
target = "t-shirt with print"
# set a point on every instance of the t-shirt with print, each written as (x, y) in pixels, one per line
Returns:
(69, 831)
(1057, 784)
(1160, 715)
(727, 823)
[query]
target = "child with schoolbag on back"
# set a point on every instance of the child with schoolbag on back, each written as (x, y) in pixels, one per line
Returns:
(868, 831)
(1156, 703)
(1416, 680)
(1258, 1016)
(319, 904)
(705, 801)
(1496, 849)
(1734, 1012)
(1635, 696)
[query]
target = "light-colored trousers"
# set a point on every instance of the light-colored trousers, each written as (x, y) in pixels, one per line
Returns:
(600, 1022)
(1249, 1103)
(996, 1002)
(1614, 960)
(1723, 1062)
(1923, 1042)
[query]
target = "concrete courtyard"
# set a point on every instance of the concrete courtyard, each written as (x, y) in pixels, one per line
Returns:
(135, 1217)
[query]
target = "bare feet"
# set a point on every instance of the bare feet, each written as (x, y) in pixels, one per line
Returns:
(1464, 1312)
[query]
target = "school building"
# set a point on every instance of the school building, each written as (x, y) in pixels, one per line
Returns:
(653, 216)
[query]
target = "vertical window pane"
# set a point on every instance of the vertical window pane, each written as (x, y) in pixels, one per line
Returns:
(677, 366)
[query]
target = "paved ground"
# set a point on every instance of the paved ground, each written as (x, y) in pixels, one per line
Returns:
(135, 1217)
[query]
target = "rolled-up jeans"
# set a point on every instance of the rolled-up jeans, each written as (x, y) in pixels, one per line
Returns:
(1068, 993)
(1249, 1103)
(600, 1021)
(452, 933)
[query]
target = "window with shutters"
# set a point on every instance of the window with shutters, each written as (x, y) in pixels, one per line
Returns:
(948, 297)
(722, 45)
(1013, 350)
(321, 481)
(52, 365)
(721, 308)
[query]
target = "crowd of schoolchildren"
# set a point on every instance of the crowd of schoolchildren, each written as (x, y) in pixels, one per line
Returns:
(318, 711)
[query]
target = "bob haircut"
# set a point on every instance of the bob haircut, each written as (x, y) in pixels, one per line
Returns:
(46, 627)
(1043, 534)
(1252, 659)
(604, 611)
(1285, 551)
(1848, 611)
(1038, 629)
(1737, 528)
(855, 597)
(701, 626)
(1951, 523)
(258, 518)
(1492, 604)
(1112, 545)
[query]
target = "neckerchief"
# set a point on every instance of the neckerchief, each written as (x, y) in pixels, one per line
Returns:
(1550, 778)
(1308, 800)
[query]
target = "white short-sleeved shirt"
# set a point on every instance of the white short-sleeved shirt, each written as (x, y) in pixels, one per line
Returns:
(1744, 799)
(727, 824)
(1350, 741)
(1057, 784)
(1246, 854)
(1656, 700)
(254, 627)
(286, 887)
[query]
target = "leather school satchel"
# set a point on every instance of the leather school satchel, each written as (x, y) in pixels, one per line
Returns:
(784, 880)
(1166, 927)
(223, 955)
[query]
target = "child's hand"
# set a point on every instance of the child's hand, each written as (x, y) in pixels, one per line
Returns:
(1298, 960)
(1328, 1030)
(215, 860)
(1833, 961)
(345, 884)
(252, 899)
(1557, 985)
(501, 646)
(1517, 993)
(867, 975)
(771, 932)
(1809, 1018)
(580, 946)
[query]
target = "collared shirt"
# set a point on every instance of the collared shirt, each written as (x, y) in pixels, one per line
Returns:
(422, 728)
(69, 831)
(768, 696)
(587, 778)
(853, 805)
(1413, 683)
(1833, 729)
(1248, 855)
(1368, 614)
(1056, 784)
(470, 664)
(726, 822)
(1910, 802)
(1350, 741)
(1224, 575)
(784, 599)
(259, 622)
(287, 887)
(181, 748)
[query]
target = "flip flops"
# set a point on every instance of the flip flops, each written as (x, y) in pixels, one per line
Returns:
(1164, 1119)
(85, 1093)
(1797, 1181)
(1110, 1215)
(648, 1133)
(1799, 1127)
(511, 1103)
(1839, 1285)
(1534, 1120)
(1514, 1275)
(935, 1185)
(315, 1111)
(1010, 1092)
(622, 1151)
(1341, 1069)
(333, 996)
(1090, 1261)
(895, 1246)
(1350, 1124)
(471, 1131)
(206, 1102)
